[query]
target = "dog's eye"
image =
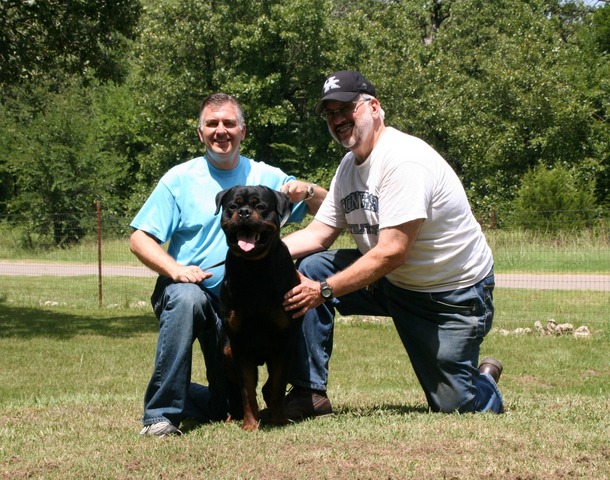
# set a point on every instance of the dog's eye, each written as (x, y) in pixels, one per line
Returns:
(231, 207)
(261, 207)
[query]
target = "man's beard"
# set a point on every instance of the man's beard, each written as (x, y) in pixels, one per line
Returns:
(359, 131)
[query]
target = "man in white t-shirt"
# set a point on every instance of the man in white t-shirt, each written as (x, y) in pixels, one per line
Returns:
(421, 259)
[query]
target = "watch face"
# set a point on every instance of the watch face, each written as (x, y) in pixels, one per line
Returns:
(326, 291)
(310, 192)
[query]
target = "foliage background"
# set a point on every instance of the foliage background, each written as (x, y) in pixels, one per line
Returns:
(100, 97)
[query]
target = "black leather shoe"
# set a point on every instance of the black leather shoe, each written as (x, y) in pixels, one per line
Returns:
(304, 403)
(492, 367)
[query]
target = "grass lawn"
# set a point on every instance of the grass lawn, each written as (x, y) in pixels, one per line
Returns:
(72, 382)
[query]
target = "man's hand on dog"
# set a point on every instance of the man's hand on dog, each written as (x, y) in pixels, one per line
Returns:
(296, 190)
(189, 274)
(303, 297)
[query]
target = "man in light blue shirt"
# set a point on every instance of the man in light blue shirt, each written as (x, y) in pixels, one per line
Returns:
(181, 211)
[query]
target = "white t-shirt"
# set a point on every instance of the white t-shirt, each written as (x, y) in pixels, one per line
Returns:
(405, 179)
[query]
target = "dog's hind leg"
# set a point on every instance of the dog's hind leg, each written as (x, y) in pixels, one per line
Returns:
(233, 387)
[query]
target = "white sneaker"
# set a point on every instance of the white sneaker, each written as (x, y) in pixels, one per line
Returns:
(160, 429)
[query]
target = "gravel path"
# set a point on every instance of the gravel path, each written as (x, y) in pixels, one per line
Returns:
(504, 280)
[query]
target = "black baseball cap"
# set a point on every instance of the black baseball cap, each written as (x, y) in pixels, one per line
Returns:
(343, 86)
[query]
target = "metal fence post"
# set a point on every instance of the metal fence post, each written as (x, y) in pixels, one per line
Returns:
(100, 294)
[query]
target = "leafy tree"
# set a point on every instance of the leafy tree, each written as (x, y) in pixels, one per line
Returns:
(489, 84)
(63, 160)
(269, 54)
(54, 37)
(497, 87)
(513, 105)
(594, 79)
(54, 153)
(291, 38)
(601, 29)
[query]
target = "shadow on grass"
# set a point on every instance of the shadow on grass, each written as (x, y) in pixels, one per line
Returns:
(384, 409)
(24, 322)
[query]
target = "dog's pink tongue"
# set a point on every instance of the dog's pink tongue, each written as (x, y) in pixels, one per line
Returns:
(246, 242)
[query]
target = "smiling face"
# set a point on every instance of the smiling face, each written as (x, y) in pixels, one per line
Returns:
(356, 125)
(351, 123)
(221, 132)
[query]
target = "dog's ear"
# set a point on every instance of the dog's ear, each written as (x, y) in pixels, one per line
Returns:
(219, 197)
(284, 207)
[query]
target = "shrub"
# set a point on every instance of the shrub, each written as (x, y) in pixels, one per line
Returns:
(552, 199)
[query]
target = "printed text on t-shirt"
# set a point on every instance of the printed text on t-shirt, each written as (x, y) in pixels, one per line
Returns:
(364, 200)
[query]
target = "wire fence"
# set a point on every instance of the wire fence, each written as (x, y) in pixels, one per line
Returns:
(545, 275)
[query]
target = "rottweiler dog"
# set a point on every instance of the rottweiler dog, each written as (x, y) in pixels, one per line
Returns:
(258, 272)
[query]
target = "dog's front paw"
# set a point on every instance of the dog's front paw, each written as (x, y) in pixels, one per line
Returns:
(250, 424)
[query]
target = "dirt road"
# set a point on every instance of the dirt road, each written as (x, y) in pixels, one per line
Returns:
(503, 280)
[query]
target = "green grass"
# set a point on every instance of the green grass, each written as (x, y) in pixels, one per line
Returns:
(514, 251)
(114, 251)
(521, 306)
(73, 379)
(527, 252)
(77, 292)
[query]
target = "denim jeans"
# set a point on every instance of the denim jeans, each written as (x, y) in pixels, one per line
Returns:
(186, 312)
(441, 332)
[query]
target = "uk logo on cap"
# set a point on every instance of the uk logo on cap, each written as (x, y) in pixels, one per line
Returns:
(343, 86)
(331, 82)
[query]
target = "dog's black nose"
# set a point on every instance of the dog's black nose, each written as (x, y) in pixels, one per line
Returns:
(244, 212)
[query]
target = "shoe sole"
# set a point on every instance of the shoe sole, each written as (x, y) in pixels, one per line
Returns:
(167, 431)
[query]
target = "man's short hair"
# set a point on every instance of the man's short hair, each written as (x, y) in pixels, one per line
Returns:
(218, 100)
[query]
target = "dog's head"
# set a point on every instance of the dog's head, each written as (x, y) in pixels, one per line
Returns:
(251, 218)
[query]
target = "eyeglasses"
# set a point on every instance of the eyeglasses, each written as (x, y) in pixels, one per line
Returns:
(346, 109)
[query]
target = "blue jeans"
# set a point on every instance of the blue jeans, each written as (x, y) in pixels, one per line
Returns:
(441, 332)
(186, 312)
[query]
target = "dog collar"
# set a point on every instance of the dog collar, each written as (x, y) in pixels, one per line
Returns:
(286, 216)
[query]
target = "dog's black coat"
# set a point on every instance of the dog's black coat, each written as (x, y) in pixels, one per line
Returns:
(258, 272)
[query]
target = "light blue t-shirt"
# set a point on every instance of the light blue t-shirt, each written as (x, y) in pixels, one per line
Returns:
(181, 210)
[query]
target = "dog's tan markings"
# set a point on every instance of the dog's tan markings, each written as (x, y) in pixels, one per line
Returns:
(233, 321)
(250, 380)
(279, 318)
(257, 207)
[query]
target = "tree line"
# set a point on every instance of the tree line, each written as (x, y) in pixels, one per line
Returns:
(101, 97)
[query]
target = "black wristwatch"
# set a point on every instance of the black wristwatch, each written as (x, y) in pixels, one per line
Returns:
(326, 291)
